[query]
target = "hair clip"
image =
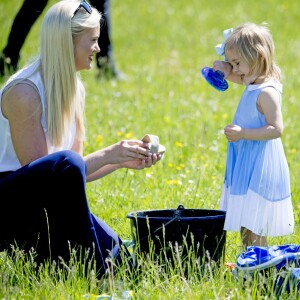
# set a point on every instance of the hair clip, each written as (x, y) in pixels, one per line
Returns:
(220, 48)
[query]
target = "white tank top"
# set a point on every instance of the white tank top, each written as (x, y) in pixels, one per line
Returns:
(8, 158)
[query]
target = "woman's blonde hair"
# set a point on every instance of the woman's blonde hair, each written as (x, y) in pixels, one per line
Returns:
(63, 89)
(255, 45)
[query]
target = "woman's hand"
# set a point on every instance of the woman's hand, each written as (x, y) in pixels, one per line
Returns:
(139, 155)
(129, 150)
(131, 154)
(126, 153)
(143, 163)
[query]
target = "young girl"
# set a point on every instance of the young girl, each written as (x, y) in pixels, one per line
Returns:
(256, 193)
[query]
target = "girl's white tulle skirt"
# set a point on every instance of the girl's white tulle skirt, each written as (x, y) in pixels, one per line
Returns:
(261, 216)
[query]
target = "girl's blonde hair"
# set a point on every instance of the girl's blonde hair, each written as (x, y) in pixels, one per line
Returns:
(63, 89)
(255, 45)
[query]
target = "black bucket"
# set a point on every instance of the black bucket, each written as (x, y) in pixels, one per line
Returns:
(158, 231)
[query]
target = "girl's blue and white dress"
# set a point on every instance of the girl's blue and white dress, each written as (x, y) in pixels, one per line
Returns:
(256, 192)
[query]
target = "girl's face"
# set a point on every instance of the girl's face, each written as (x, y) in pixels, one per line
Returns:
(85, 46)
(240, 67)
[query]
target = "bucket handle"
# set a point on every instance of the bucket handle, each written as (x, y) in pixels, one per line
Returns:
(176, 216)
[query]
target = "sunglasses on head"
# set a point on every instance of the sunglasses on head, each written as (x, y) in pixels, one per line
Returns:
(85, 5)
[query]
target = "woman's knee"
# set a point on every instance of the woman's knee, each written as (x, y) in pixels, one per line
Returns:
(57, 164)
(70, 162)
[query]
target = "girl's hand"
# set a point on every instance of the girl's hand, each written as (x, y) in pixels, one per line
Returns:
(233, 133)
(222, 66)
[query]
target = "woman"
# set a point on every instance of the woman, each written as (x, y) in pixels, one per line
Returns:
(42, 169)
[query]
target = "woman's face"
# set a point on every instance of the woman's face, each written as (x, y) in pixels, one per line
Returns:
(240, 67)
(85, 46)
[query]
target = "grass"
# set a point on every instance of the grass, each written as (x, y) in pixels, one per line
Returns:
(161, 47)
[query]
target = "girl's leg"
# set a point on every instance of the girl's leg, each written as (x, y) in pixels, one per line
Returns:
(251, 239)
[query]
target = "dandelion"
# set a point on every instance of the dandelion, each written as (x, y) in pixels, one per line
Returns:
(128, 135)
(167, 120)
(173, 182)
(178, 144)
(99, 139)
(293, 151)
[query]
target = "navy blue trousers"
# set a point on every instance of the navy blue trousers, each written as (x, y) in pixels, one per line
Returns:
(44, 206)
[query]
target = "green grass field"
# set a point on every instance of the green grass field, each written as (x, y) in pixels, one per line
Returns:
(161, 46)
